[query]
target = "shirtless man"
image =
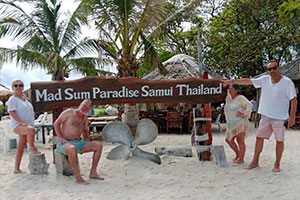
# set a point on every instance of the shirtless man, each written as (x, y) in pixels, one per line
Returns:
(69, 127)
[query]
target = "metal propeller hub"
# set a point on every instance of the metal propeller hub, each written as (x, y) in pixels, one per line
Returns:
(132, 147)
(118, 132)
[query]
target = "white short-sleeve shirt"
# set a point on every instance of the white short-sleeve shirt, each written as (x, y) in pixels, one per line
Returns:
(275, 98)
(23, 109)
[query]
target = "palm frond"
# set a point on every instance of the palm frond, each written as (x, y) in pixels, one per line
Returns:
(85, 47)
(86, 66)
(73, 26)
(16, 23)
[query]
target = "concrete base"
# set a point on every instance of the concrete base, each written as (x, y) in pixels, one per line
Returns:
(219, 156)
(38, 164)
(62, 164)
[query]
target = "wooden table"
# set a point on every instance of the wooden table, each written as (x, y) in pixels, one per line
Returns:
(101, 121)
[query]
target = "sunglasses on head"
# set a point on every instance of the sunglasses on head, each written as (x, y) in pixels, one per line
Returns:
(272, 68)
(18, 85)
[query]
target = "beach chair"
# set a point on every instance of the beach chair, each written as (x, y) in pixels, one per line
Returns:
(10, 138)
(44, 121)
(38, 123)
(218, 122)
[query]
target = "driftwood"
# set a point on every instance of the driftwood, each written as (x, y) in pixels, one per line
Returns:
(202, 150)
(174, 150)
(37, 164)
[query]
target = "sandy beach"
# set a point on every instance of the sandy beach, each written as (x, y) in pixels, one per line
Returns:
(176, 178)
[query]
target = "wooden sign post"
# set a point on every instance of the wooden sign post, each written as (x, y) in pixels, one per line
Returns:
(55, 95)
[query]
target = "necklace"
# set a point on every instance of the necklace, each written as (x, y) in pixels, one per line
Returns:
(22, 97)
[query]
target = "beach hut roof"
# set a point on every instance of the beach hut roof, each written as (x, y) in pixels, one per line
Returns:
(4, 95)
(180, 66)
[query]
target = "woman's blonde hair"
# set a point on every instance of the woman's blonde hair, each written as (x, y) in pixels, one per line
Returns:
(12, 84)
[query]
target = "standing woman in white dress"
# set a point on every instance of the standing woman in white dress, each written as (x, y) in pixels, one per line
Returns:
(237, 111)
(22, 122)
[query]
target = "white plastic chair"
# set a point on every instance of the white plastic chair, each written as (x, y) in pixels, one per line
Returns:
(218, 119)
(40, 119)
(46, 121)
(38, 124)
(49, 121)
(8, 135)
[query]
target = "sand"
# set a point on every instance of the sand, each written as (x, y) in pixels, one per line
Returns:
(175, 178)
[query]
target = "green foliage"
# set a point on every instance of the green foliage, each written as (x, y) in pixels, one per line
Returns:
(176, 38)
(99, 111)
(289, 15)
(3, 109)
(146, 66)
(245, 35)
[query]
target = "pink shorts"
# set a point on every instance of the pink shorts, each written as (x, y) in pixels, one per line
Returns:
(268, 125)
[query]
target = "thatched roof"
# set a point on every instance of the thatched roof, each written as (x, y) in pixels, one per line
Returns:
(179, 67)
(4, 95)
(292, 69)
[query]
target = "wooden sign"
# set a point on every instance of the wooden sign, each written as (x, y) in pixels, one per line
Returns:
(59, 94)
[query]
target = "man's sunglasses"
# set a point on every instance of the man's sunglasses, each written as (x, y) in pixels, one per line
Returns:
(272, 68)
(18, 85)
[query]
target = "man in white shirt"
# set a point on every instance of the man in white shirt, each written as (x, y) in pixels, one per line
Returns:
(278, 93)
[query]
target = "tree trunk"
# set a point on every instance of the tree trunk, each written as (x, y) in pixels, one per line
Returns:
(131, 116)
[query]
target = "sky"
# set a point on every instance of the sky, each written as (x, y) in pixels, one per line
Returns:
(10, 71)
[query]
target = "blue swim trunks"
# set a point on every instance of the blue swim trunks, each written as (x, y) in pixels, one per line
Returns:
(78, 143)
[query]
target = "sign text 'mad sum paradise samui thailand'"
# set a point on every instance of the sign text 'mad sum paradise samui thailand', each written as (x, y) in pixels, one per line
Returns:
(58, 94)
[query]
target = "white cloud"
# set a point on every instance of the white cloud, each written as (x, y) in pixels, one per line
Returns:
(9, 72)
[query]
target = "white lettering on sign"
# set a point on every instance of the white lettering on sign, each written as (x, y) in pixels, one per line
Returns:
(185, 89)
(123, 93)
(44, 96)
(145, 91)
(71, 95)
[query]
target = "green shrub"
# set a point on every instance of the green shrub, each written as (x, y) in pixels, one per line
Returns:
(99, 111)
(3, 109)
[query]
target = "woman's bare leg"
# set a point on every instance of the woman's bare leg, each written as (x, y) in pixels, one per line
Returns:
(29, 132)
(20, 149)
(234, 147)
(242, 146)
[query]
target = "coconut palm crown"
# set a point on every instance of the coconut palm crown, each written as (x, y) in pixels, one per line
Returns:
(124, 29)
(50, 38)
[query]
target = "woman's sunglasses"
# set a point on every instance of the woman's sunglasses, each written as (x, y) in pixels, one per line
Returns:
(18, 85)
(272, 68)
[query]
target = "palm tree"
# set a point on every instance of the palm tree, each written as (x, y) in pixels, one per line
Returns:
(49, 40)
(127, 29)
(123, 27)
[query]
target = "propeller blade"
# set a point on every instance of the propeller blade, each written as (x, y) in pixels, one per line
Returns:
(146, 155)
(119, 152)
(146, 132)
(117, 132)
